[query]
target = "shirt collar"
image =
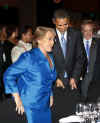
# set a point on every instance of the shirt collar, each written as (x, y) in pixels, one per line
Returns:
(90, 41)
(59, 34)
(24, 43)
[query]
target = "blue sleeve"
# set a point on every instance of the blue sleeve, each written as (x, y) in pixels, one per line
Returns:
(51, 94)
(14, 72)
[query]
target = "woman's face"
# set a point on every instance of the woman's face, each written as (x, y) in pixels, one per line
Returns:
(47, 42)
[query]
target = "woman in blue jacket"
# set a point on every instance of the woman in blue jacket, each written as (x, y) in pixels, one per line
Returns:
(30, 78)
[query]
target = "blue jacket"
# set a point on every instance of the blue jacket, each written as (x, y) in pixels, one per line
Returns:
(32, 77)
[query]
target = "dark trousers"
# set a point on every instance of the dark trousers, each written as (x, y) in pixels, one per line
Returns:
(64, 102)
(94, 91)
(85, 85)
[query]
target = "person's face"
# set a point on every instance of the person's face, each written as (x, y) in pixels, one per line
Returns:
(15, 34)
(28, 36)
(47, 42)
(61, 24)
(87, 31)
(4, 29)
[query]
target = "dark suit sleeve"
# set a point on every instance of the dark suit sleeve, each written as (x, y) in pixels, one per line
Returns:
(57, 60)
(80, 58)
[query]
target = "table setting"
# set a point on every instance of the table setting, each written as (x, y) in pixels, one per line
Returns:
(85, 113)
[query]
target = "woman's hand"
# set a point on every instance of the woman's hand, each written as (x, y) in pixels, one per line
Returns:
(51, 101)
(19, 105)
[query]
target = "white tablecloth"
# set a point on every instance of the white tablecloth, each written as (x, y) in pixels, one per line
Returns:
(71, 119)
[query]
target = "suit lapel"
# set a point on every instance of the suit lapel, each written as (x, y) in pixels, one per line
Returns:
(85, 52)
(68, 45)
(93, 53)
(59, 45)
(69, 40)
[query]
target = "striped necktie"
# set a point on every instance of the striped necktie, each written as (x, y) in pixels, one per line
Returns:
(87, 52)
(87, 49)
(64, 50)
(63, 45)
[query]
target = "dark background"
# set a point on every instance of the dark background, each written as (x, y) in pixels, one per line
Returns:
(39, 12)
(9, 16)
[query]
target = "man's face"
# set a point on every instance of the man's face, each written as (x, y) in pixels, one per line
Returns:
(61, 24)
(87, 31)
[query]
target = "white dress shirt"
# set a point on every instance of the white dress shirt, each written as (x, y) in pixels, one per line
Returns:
(19, 49)
(65, 37)
(59, 36)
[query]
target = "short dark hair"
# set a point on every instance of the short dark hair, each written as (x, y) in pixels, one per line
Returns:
(10, 29)
(25, 29)
(85, 22)
(61, 13)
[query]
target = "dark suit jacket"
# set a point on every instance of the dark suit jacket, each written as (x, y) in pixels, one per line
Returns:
(96, 70)
(94, 60)
(1, 57)
(1, 62)
(94, 85)
(7, 49)
(93, 75)
(73, 63)
(1, 54)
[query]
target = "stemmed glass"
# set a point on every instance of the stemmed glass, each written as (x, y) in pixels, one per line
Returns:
(93, 115)
(79, 109)
(86, 113)
(98, 111)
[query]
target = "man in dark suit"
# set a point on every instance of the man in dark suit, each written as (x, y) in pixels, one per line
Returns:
(90, 85)
(69, 60)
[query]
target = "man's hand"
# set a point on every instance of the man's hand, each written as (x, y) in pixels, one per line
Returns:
(73, 83)
(59, 83)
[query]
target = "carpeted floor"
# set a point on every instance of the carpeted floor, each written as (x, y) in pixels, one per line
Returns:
(8, 113)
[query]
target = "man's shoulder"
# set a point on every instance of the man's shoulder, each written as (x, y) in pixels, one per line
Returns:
(97, 40)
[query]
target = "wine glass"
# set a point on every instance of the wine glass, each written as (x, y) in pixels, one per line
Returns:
(86, 113)
(94, 114)
(79, 109)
